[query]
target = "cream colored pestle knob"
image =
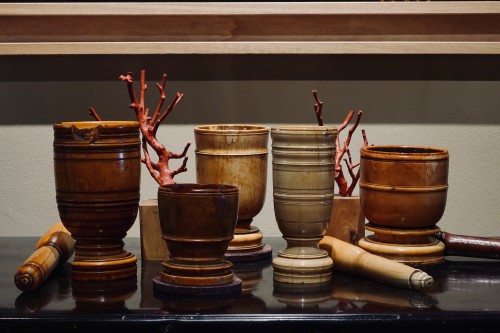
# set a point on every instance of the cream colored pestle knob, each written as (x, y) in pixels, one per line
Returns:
(352, 259)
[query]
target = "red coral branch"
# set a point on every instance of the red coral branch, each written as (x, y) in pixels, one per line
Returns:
(346, 190)
(160, 170)
(318, 108)
(175, 101)
(349, 164)
(161, 88)
(351, 167)
(94, 114)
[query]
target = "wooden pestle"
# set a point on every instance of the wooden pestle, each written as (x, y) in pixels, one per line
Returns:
(469, 246)
(54, 247)
(352, 259)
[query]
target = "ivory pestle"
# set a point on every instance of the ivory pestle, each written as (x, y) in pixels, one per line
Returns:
(352, 259)
(54, 247)
(469, 246)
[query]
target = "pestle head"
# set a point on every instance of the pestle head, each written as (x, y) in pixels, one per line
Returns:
(420, 280)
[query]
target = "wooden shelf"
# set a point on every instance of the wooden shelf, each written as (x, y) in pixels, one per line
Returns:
(75, 48)
(250, 28)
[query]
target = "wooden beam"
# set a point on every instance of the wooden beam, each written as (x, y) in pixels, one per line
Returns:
(260, 28)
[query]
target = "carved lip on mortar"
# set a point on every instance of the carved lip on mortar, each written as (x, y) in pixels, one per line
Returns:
(229, 129)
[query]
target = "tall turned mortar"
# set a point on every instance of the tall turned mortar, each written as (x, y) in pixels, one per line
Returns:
(237, 155)
(97, 168)
(303, 190)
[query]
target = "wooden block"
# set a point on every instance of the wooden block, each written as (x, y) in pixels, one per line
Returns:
(153, 247)
(347, 222)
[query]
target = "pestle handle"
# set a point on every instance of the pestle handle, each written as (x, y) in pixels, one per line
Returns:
(469, 246)
(353, 259)
(54, 247)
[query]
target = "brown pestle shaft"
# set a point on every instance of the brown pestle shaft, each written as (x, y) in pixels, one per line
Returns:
(469, 246)
(54, 247)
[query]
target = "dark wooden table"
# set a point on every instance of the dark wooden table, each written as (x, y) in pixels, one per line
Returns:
(465, 298)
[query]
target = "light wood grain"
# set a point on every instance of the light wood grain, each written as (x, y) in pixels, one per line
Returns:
(247, 8)
(246, 28)
(56, 246)
(153, 247)
(251, 48)
(347, 222)
(352, 259)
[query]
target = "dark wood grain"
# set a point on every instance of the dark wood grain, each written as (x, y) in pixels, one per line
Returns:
(470, 246)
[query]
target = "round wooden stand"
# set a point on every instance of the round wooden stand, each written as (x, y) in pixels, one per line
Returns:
(108, 268)
(247, 245)
(408, 246)
(242, 248)
(246, 238)
(302, 264)
(201, 274)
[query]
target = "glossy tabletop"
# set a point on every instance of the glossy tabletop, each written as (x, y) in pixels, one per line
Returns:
(464, 298)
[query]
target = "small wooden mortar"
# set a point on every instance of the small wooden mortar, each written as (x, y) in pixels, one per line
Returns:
(403, 192)
(197, 223)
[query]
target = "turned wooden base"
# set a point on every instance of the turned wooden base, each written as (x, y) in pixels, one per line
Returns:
(228, 289)
(302, 265)
(266, 252)
(104, 269)
(248, 239)
(247, 244)
(410, 246)
(202, 274)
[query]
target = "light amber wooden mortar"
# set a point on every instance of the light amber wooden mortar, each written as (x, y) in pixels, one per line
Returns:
(403, 186)
(403, 192)
(236, 155)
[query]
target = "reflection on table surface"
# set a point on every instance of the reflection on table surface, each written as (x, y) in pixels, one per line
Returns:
(460, 285)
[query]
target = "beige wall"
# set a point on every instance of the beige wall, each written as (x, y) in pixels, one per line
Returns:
(449, 102)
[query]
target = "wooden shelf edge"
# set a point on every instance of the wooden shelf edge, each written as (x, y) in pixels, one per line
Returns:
(248, 8)
(103, 48)
(469, 27)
